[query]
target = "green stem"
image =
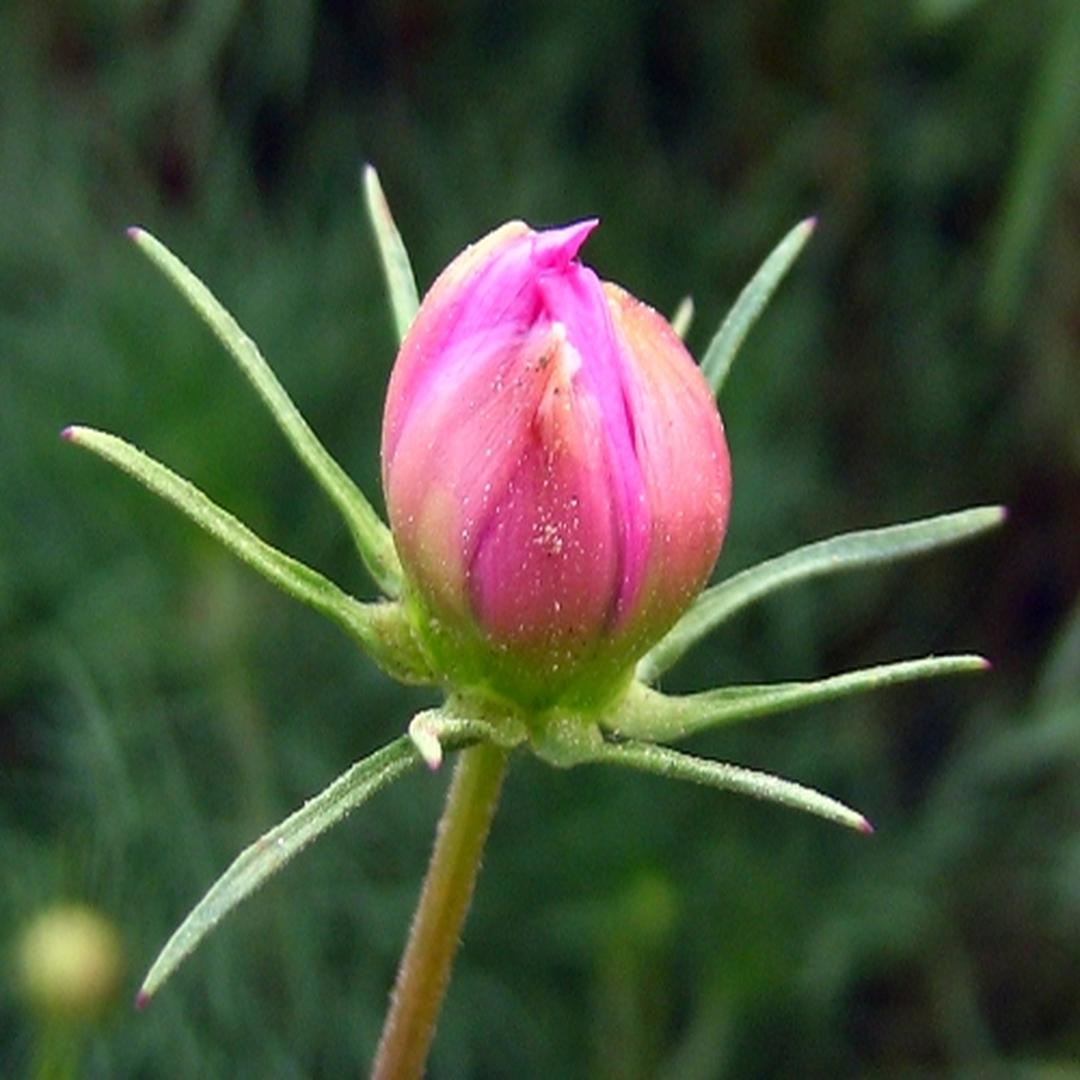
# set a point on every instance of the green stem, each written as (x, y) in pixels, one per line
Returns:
(56, 1055)
(436, 929)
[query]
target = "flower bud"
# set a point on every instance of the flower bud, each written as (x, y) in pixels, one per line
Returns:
(71, 963)
(555, 471)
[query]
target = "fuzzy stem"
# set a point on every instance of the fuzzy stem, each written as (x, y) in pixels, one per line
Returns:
(436, 929)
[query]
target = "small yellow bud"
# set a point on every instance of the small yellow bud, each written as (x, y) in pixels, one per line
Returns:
(70, 963)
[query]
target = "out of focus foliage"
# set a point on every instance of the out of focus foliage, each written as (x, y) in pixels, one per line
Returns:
(159, 706)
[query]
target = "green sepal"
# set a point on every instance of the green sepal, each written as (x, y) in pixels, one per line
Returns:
(382, 629)
(751, 302)
(434, 730)
(849, 551)
(370, 534)
(264, 858)
(647, 714)
(674, 765)
(683, 317)
(397, 269)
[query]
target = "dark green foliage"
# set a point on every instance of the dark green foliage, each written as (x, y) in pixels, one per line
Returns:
(159, 706)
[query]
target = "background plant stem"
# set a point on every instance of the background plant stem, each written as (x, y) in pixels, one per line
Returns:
(425, 967)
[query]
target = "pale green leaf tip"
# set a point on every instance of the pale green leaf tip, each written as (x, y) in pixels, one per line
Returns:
(683, 316)
(372, 185)
(426, 742)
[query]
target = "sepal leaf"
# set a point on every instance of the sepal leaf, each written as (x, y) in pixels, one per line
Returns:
(725, 345)
(253, 866)
(369, 533)
(674, 765)
(397, 269)
(849, 551)
(683, 316)
(434, 730)
(647, 714)
(382, 629)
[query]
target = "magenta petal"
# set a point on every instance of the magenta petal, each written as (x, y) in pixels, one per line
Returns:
(455, 457)
(546, 570)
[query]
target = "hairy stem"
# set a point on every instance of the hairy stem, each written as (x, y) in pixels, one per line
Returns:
(436, 929)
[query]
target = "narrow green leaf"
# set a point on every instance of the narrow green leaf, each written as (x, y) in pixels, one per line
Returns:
(847, 552)
(369, 533)
(683, 317)
(274, 849)
(1045, 155)
(374, 626)
(397, 269)
(648, 714)
(719, 356)
(677, 766)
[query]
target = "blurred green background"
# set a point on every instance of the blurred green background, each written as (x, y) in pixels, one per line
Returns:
(160, 706)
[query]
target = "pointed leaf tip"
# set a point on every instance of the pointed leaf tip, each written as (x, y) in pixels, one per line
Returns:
(864, 826)
(397, 269)
(750, 303)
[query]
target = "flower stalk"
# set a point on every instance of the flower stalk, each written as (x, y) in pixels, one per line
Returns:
(444, 902)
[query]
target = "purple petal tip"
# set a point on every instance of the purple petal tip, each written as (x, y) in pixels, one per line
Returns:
(142, 999)
(558, 247)
(68, 434)
(133, 232)
(865, 827)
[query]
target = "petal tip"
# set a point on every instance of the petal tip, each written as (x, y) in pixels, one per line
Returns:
(558, 247)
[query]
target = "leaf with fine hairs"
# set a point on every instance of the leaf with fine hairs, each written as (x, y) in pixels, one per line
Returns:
(850, 551)
(647, 714)
(369, 532)
(264, 858)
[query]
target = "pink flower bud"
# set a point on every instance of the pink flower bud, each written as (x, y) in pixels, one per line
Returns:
(555, 471)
